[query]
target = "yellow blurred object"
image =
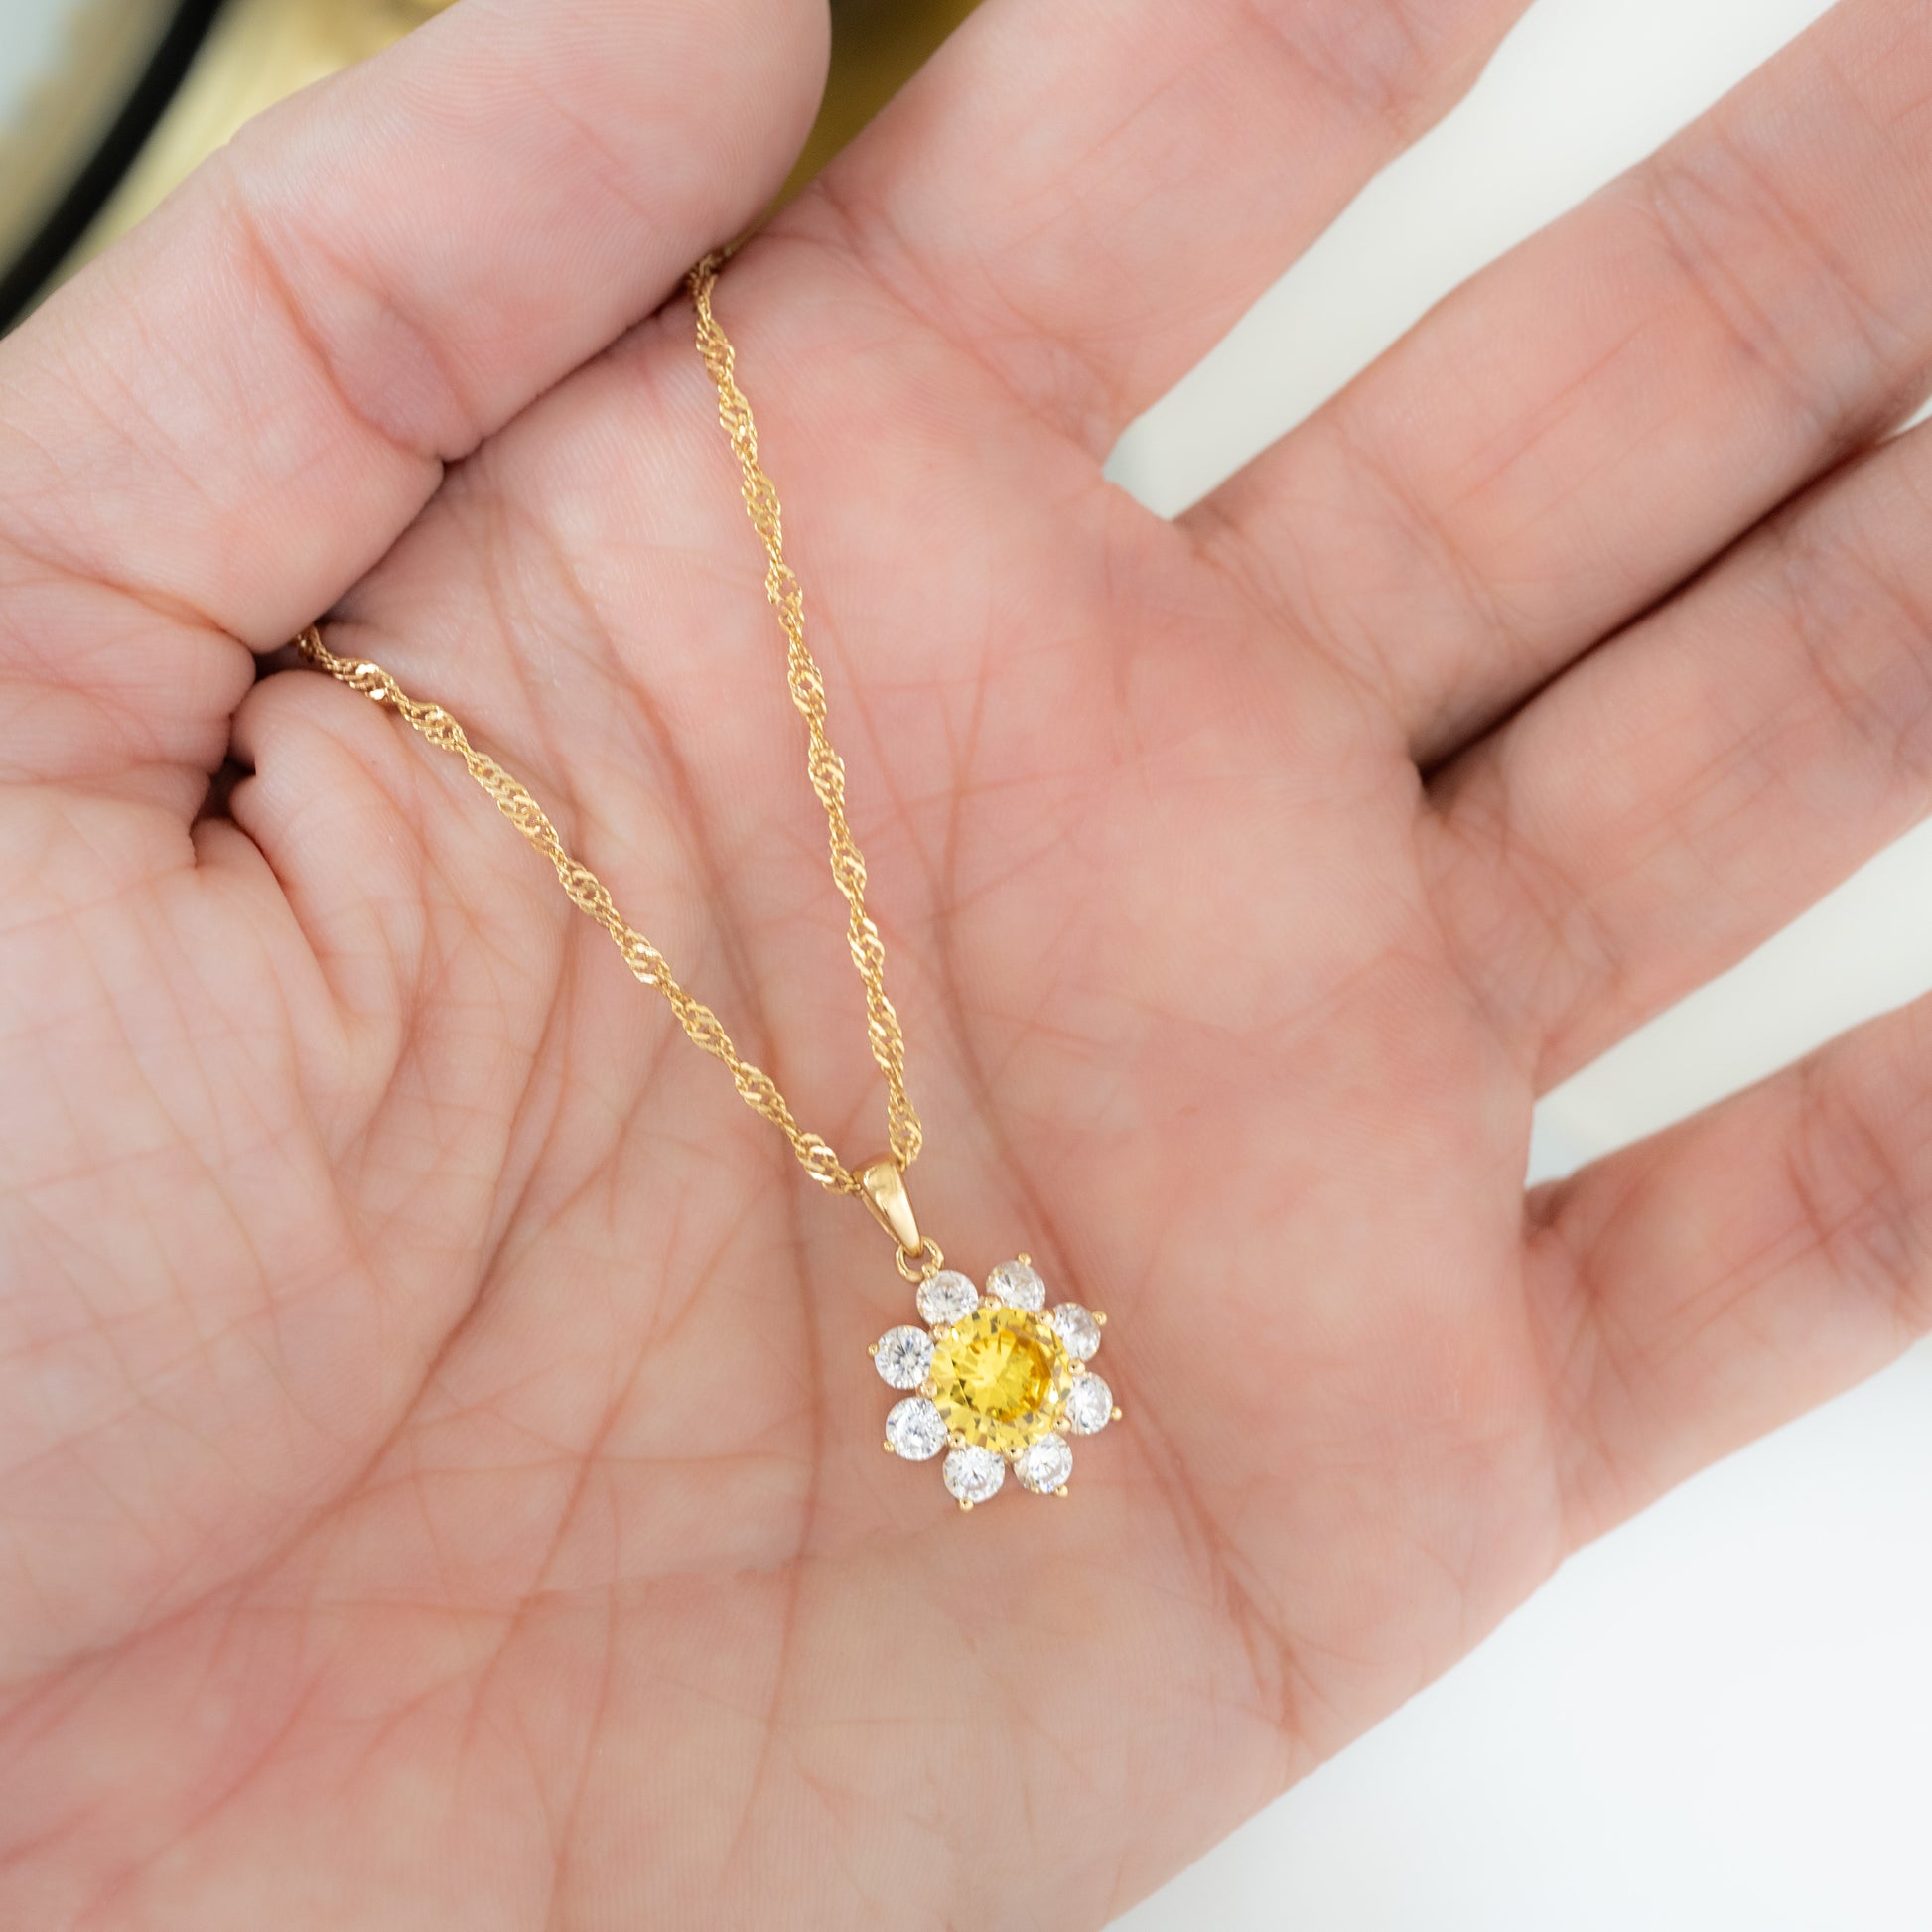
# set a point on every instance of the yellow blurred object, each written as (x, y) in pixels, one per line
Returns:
(260, 50)
(878, 46)
(257, 53)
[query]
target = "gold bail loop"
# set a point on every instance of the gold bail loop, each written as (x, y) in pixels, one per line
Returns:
(883, 1187)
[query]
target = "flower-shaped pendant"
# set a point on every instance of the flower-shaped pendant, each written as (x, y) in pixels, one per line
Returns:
(997, 1381)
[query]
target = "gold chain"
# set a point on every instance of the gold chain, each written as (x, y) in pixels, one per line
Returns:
(808, 685)
(589, 893)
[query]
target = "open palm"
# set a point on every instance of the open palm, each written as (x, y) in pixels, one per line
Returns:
(438, 1468)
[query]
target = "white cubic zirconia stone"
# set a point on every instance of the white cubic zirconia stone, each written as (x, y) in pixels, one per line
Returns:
(1089, 1406)
(905, 1355)
(1077, 1329)
(973, 1474)
(1018, 1285)
(1046, 1465)
(914, 1429)
(947, 1296)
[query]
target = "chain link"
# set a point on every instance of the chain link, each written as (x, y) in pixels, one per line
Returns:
(589, 893)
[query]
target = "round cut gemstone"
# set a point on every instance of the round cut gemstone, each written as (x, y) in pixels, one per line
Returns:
(1046, 1466)
(1077, 1329)
(1001, 1372)
(947, 1296)
(1018, 1285)
(1089, 1406)
(973, 1474)
(914, 1430)
(902, 1357)
(998, 1376)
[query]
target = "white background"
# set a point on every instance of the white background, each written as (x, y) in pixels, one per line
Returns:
(1721, 1716)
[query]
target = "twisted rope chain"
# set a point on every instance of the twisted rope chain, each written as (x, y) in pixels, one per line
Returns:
(590, 894)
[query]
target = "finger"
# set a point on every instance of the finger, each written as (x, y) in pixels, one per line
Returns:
(1699, 1288)
(1584, 425)
(1683, 793)
(234, 413)
(1091, 194)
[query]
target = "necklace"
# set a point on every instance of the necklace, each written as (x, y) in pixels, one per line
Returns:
(992, 1377)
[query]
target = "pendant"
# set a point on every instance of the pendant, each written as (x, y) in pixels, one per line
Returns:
(996, 1379)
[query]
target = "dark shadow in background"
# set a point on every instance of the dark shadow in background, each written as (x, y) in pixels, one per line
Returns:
(23, 278)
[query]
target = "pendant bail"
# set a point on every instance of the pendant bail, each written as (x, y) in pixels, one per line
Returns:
(885, 1193)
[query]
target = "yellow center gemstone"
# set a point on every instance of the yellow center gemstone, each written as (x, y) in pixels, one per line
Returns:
(998, 1374)
(1002, 1376)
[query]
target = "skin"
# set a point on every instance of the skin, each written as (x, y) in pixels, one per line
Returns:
(439, 1463)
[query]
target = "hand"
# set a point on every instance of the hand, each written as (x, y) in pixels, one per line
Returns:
(439, 1464)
